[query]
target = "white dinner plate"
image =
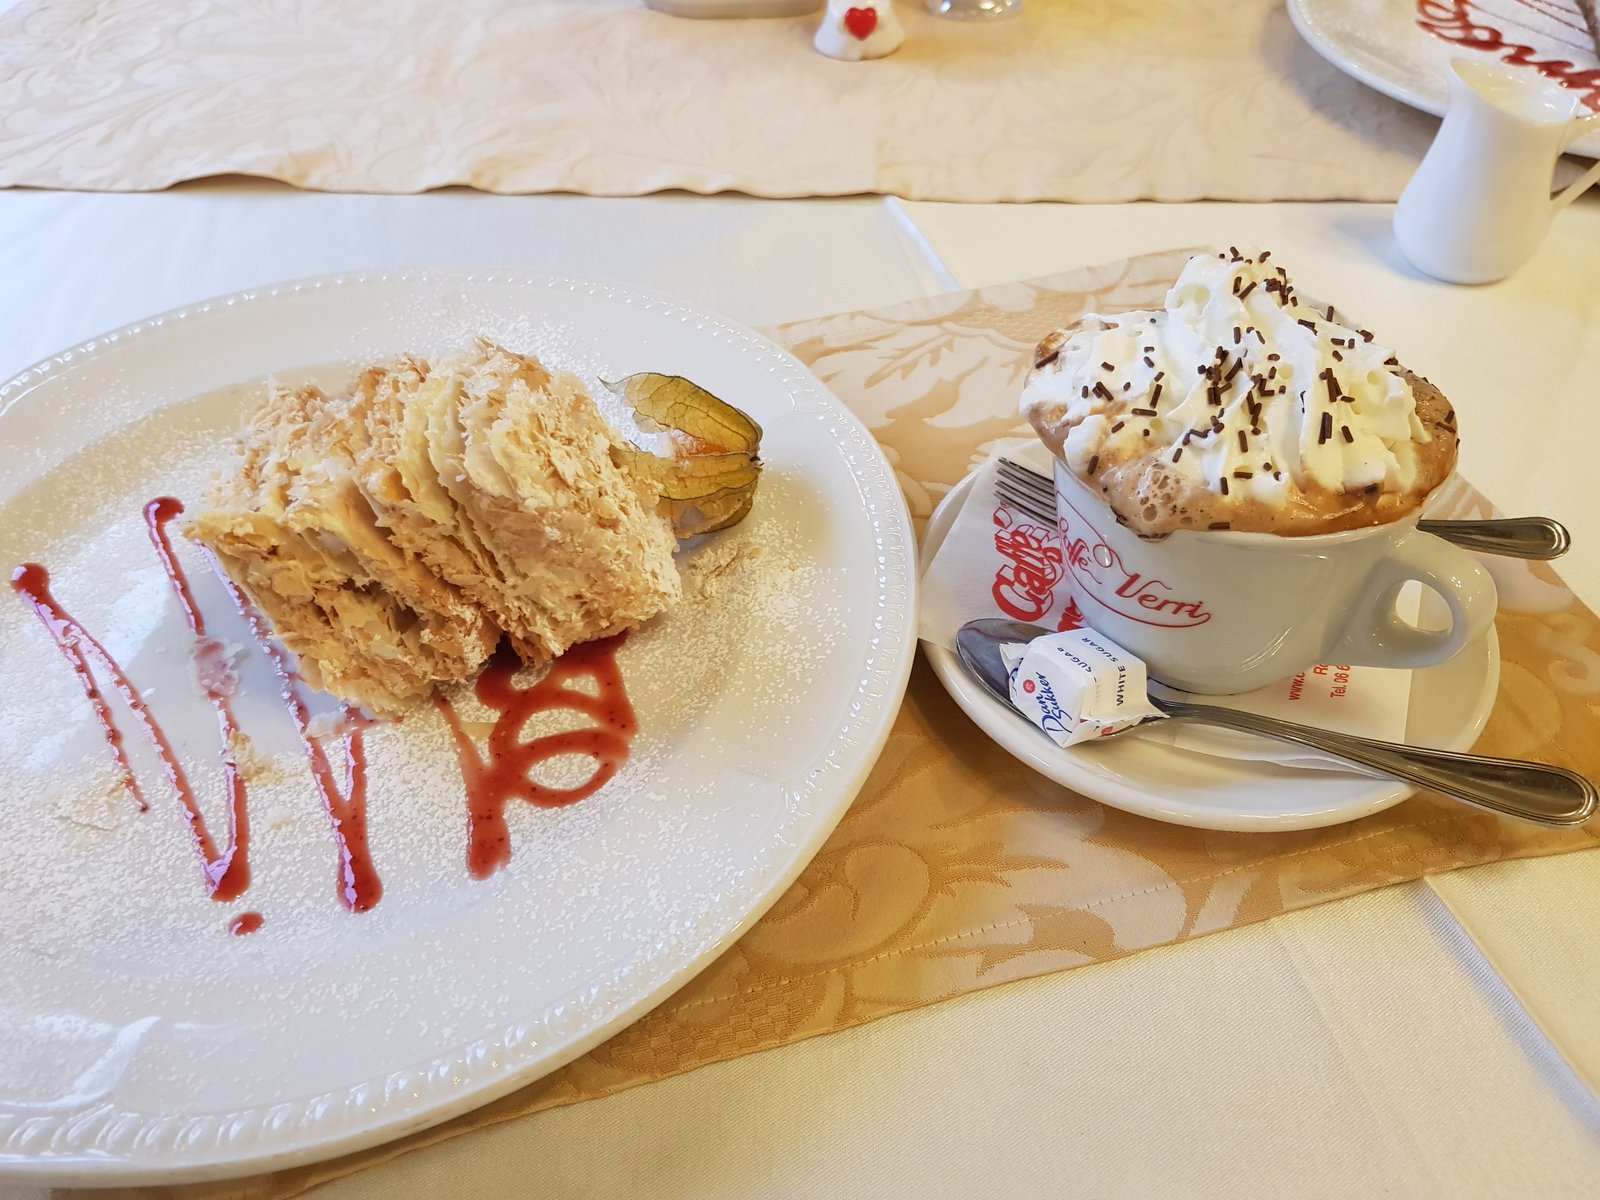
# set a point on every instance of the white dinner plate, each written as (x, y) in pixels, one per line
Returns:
(1381, 43)
(139, 1041)
(1450, 704)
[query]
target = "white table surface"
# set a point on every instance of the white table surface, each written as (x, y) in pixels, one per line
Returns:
(1428, 1039)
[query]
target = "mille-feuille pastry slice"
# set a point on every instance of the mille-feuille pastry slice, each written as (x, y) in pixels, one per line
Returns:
(580, 547)
(389, 415)
(455, 633)
(295, 531)
(282, 573)
(399, 479)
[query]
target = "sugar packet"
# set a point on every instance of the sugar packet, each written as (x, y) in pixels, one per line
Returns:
(1077, 685)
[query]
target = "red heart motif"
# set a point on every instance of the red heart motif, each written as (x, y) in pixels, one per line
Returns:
(861, 22)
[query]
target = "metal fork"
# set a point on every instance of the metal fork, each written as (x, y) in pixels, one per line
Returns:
(1514, 537)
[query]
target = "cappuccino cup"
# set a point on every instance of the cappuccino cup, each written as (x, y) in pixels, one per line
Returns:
(1238, 480)
(1221, 611)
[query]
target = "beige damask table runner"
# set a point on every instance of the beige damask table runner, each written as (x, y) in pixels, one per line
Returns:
(957, 868)
(1092, 100)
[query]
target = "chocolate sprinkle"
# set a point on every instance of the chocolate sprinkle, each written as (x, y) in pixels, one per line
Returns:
(1348, 436)
(1118, 426)
(1244, 443)
(1094, 461)
(1105, 366)
(1223, 485)
(1177, 454)
(1334, 394)
(1103, 392)
(1311, 325)
(1326, 431)
(1219, 525)
(1242, 474)
(1143, 412)
(1248, 288)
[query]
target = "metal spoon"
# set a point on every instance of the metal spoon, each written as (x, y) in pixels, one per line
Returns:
(1513, 537)
(1529, 791)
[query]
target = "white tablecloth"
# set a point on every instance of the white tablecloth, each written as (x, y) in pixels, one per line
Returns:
(1432, 1038)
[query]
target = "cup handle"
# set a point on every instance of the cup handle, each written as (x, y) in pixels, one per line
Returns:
(1374, 635)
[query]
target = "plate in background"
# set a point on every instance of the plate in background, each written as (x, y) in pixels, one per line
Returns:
(1381, 43)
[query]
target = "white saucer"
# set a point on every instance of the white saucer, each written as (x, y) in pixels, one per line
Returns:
(1449, 707)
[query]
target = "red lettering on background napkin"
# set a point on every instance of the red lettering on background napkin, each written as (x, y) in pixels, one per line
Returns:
(1455, 22)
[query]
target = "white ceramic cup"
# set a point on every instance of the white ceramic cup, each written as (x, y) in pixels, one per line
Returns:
(1221, 611)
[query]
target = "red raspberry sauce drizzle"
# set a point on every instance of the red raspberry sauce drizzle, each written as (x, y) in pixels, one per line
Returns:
(32, 582)
(507, 772)
(227, 874)
(359, 887)
(490, 783)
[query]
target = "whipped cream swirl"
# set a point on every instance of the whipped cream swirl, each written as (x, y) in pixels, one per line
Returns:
(1238, 389)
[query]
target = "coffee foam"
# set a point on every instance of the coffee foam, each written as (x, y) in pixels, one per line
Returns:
(1239, 407)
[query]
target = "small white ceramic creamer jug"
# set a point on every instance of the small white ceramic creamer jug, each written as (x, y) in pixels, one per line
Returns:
(1480, 203)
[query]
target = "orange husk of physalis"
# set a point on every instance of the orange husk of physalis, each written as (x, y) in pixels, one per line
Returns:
(708, 481)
